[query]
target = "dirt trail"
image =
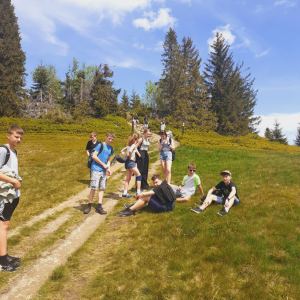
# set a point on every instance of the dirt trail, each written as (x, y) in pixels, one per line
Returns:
(27, 283)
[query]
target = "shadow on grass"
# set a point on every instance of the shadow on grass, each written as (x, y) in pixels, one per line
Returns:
(83, 181)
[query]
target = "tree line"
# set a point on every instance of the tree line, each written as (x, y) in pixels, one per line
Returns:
(220, 98)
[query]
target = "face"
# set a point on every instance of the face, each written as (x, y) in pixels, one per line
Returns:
(157, 182)
(147, 134)
(163, 137)
(226, 178)
(94, 138)
(14, 139)
(191, 172)
(109, 139)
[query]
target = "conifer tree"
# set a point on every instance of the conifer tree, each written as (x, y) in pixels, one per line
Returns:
(297, 140)
(125, 101)
(268, 134)
(133, 97)
(277, 135)
(232, 95)
(12, 62)
(104, 96)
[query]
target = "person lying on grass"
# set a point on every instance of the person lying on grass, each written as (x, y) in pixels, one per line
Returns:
(188, 185)
(160, 199)
(229, 191)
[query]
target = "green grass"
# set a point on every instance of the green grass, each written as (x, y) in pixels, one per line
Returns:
(252, 253)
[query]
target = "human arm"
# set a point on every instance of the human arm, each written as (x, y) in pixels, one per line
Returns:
(144, 194)
(139, 142)
(8, 179)
(108, 169)
(200, 189)
(123, 153)
(88, 152)
(183, 199)
(98, 161)
(172, 145)
(230, 199)
(159, 146)
(138, 153)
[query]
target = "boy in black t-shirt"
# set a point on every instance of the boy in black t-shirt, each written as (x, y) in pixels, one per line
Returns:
(92, 144)
(229, 192)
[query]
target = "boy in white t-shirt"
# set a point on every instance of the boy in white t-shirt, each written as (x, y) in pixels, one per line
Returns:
(188, 185)
(8, 157)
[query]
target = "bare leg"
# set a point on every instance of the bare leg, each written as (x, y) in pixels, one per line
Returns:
(168, 170)
(140, 203)
(137, 173)
(92, 194)
(127, 180)
(100, 196)
(163, 166)
(3, 237)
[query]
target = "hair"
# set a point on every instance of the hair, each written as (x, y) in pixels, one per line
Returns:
(163, 133)
(192, 166)
(156, 176)
(110, 133)
(132, 139)
(146, 130)
(16, 129)
(93, 134)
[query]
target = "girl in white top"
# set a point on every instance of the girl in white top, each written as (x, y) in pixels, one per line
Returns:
(130, 165)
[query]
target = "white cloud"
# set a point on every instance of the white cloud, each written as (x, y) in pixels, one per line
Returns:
(152, 20)
(259, 8)
(138, 46)
(286, 3)
(226, 33)
(288, 123)
(262, 54)
(159, 46)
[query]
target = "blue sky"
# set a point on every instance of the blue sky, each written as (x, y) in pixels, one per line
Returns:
(128, 35)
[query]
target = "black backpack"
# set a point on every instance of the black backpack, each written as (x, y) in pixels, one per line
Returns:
(90, 160)
(7, 154)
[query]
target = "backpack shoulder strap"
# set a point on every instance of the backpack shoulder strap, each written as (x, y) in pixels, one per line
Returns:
(101, 148)
(7, 154)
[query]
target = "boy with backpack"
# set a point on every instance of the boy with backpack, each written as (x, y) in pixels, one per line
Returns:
(188, 185)
(229, 191)
(9, 161)
(99, 168)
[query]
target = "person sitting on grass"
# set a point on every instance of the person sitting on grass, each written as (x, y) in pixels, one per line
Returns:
(100, 167)
(160, 199)
(229, 191)
(188, 185)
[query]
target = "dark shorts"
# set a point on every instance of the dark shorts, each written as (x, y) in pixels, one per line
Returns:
(129, 164)
(155, 205)
(9, 209)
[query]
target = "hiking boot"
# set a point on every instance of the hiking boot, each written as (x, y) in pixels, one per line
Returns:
(9, 267)
(87, 209)
(197, 210)
(126, 212)
(13, 260)
(222, 212)
(100, 211)
(128, 205)
(127, 196)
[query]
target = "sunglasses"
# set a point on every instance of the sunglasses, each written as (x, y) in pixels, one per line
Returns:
(192, 170)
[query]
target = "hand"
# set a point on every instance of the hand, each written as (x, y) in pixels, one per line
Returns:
(226, 203)
(108, 172)
(17, 185)
(106, 167)
(179, 188)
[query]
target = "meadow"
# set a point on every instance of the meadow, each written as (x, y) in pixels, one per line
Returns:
(251, 253)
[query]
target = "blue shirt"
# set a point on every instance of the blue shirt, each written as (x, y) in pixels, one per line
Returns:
(103, 156)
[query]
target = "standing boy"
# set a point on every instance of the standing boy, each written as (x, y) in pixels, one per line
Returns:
(229, 191)
(100, 166)
(92, 144)
(8, 157)
(188, 185)
(162, 125)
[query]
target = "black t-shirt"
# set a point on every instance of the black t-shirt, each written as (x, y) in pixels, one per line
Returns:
(145, 120)
(136, 117)
(226, 189)
(90, 146)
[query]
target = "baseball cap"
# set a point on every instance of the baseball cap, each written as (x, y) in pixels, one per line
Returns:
(225, 172)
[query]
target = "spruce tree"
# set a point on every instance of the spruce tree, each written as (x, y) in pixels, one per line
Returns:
(133, 97)
(268, 134)
(232, 95)
(297, 140)
(277, 134)
(104, 96)
(125, 101)
(12, 62)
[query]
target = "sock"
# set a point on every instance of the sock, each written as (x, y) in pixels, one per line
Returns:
(99, 205)
(90, 204)
(3, 259)
(202, 206)
(138, 191)
(125, 192)
(226, 209)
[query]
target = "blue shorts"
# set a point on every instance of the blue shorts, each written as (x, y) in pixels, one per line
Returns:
(129, 164)
(165, 155)
(155, 205)
(222, 200)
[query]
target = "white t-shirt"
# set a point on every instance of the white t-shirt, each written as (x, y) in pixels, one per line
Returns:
(132, 154)
(189, 184)
(12, 163)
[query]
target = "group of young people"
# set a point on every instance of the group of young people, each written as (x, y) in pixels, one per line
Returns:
(164, 195)
(161, 198)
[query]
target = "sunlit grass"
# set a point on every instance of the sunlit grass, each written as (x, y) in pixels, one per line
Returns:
(252, 253)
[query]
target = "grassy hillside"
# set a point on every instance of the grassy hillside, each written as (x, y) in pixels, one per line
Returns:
(252, 253)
